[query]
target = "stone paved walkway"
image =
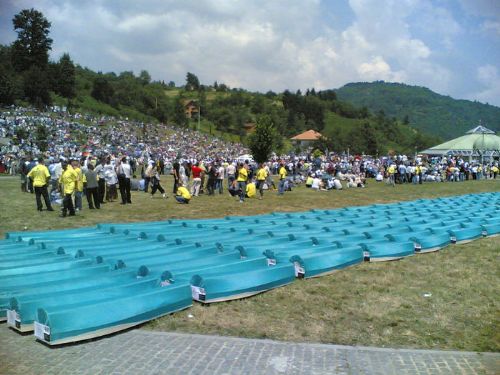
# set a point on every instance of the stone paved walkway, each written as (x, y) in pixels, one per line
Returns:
(143, 352)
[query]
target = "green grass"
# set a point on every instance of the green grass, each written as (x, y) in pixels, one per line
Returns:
(376, 304)
(334, 121)
(208, 127)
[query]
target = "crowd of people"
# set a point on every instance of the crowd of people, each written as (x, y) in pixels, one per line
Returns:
(101, 156)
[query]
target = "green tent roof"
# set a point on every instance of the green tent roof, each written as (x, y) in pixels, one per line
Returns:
(476, 141)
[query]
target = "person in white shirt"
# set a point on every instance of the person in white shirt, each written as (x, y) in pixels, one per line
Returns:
(402, 173)
(124, 174)
(337, 184)
(55, 170)
(315, 183)
(220, 178)
(231, 172)
(111, 181)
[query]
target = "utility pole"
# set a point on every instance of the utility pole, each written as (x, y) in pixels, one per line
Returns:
(199, 112)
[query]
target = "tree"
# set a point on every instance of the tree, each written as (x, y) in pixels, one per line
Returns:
(102, 90)
(258, 104)
(179, 112)
(144, 77)
(364, 113)
(327, 95)
(221, 87)
(262, 142)
(129, 90)
(370, 136)
(406, 120)
(192, 82)
(10, 83)
(323, 145)
(7, 87)
(65, 79)
(223, 118)
(36, 87)
(33, 43)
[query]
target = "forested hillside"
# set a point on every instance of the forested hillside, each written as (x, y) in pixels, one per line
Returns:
(421, 108)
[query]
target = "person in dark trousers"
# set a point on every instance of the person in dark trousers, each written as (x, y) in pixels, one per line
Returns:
(92, 188)
(31, 165)
(23, 171)
(212, 175)
(40, 176)
(68, 181)
(101, 182)
(156, 185)
(148, 174)
(176, 174)
(124, 173)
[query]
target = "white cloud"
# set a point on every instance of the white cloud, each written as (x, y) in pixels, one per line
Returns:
(379, 45)
(259, 45)
(489, 78)
(437, 23)
(487, 74)
(492, 26)
(377, 68)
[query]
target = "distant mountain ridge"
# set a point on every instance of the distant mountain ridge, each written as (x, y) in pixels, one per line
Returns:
(423, 109)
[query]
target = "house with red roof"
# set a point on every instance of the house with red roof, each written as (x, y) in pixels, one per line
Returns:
(306, 139)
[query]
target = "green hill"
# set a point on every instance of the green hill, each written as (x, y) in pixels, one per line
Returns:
(421, 108)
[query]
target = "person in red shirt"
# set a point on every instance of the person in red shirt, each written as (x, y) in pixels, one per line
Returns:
(196, 172)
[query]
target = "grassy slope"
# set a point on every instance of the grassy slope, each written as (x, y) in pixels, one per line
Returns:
(369, 304)
(336, 124)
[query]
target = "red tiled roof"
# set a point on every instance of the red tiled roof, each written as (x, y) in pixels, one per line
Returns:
(309, 135)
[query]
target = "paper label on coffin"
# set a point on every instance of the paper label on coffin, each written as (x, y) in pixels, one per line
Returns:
(42, 332)
(299, 271)
(198, 293)
(13, 319)
(271, 262)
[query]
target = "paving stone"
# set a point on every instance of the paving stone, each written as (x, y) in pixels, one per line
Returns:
(140, 351)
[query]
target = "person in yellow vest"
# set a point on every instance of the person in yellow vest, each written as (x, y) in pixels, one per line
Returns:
(251, 190)
(391, 171)
(242, 181)
(41, 177)
(261, 176)
(282, 175)
(495, 171)
(80, 180)
(418, 174)
(309, 180)
(183, 195)
(68, 181)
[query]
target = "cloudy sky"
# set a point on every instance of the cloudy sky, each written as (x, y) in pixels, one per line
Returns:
(450, 46)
